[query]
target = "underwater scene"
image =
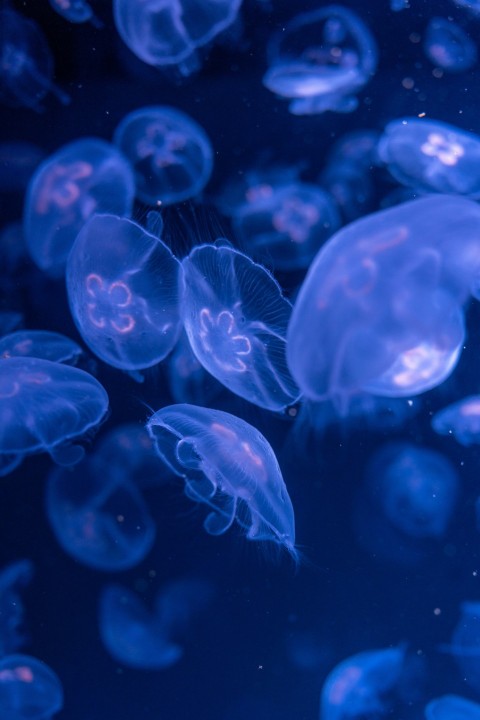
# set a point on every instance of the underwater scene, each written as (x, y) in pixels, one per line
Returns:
(239, 360)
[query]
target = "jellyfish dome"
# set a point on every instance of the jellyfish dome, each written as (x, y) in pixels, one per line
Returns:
(229, 466)
(86, 176)
(124, 288)
(452, 707)
(320, 60)
(461, 420)
(29, 689)
(40, 344)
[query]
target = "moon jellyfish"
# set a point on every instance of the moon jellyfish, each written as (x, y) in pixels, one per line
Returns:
(360, 685)
(321, 60)
(452, 707)
(98, 516)
(432, 156)
(148, 639)
(29, 689)
(228, 466)
(448, 46)
(76, 11)
(45, 406)
(26, 63)
(465, 645)
(86, 176)
(170, 34)
(381, 308)
(236, 319)
(124, 288)
(13, 578)
(460, 419)
(40, 344)
(170, 153)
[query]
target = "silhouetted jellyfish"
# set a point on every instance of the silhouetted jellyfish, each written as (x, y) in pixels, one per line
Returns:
(448, 46)
(360, 686)
(124, 289)
(13, 579)
(452, 707)
(151, 640)
(236, 319)
(76, 11)
(188, 380)
(465, 645)
(229, 466)
(98, 516)
(170, 34)
(40, 344)
(320, 60)
(432, 156)
(86, 176)
(29, 689)
(26, 63)
(357, 324)
(170, 153)
(44, 407)
(460, 419)
(415, 488)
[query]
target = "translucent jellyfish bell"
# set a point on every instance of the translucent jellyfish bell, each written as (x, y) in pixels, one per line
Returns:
(448, 46)
(124, 288)
(320, 60)
(460, 419)
(228, 466)
(76, 11)
(40, 344)
(13, 579)
(465, 645)
(452, 707)
(29, 689)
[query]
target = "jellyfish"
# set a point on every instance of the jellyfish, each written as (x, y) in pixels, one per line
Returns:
(13, 579)
(228, 466)
(40, 344)
(460, 419)
(452, 707)
(432, 156)
(124, 289)
(448, 46)
(321, 60)
(29, 689)
(361, 685)
(236, 318)
(171, 34)
(151, 640)
(170, 153)
(98, 516)
(76, 11)
(465, 645)
(45, 407)
(26, 63)
(381, 308)
(86, 176)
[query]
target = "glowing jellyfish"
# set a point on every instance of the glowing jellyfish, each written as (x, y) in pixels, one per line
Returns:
(152, 640)
(170, 153)
(465, 645)
(45, 406)
(448, 46)
(29, 689)
(460, 419)
(124, 288)
(360, 686)
(98, 516)
(76, 11)
(228, 466)
(170, 34)
(321, 60)
(432, 156)
(26, 63)
(84, 177)
(13, 578)
(40, 344)
(416, 488)
(381, 308)
(236, 319)
(452, 707)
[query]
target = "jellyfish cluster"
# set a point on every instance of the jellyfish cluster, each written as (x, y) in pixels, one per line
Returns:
(239, 360)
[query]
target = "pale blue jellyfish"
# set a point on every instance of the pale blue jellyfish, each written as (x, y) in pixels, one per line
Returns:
(40, 344)
(29, 689)
(85, 177)
(76, 11)
(228, 466)
(452, 707)
(320, 60)
(448, 46)
(236, 319)
(13, 579)
(124, 289)
(461, 420)
(170, 153)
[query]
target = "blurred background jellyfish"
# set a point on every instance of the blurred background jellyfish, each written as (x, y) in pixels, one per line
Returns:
(465, 644)
(124, 289)
(461, 420)
(448, 46)
(86, 176)
(236, 319)
(321, 60)
(76, 11)
(170, 153)
(151, 640)
(432, 156)
(40, 344)
(26, 63)
(44, 407)
(452, 707)
(228, 465)
(29, 689)
(13, 578)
